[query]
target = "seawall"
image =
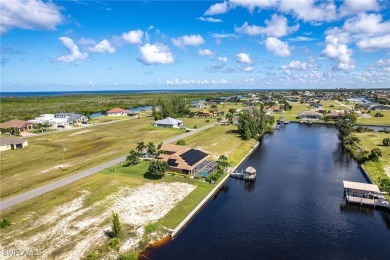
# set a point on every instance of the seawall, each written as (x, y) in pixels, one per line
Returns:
(211, 194)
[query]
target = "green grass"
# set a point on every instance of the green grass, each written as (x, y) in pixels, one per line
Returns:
(291, 115)
(376, 169)
(376, 120)
(215, 139)
(37, 164)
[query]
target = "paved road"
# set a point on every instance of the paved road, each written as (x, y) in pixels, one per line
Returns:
(7, 203)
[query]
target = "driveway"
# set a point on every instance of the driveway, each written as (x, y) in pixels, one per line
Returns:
(7, 203)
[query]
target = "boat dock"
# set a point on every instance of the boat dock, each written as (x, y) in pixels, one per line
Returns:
(364, 194)
(249, 174)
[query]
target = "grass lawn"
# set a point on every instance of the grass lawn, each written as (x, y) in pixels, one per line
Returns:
(196, 121)
(215, 139)
(369, 141)
(291, 115)
(105, 119)
(376, 120)
(39, 163)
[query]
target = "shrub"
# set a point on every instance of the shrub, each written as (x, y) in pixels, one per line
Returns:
(181, 142)
(116, 226)
(4, 223)
(386, 141)
(195, 126)
(378, 115)
(157, 168)
(207, 120)
(375, 154)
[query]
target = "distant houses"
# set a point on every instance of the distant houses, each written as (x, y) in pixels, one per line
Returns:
(118, 112)
(275, 109)
(8, 143)
(72, 118)
(310, 115)
(20, 125)
(168, 122)
(49, 119)
(204, 113)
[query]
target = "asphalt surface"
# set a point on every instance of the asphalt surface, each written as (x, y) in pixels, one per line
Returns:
(7, 203)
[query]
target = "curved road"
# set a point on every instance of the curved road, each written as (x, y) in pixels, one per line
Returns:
(7, 203)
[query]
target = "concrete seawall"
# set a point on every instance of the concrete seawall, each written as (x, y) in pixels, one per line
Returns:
(211, 194)
(366, 175)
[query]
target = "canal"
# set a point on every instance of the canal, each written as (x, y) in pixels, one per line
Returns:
(295, 208)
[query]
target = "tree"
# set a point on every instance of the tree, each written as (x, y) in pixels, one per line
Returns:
(219, 120)
(214, 108)
(157, 168)
(223, 162)
(345, 125)
(173, 107)
(116, 226)
(229, 117)
(232, 111)
(181, 142)
(253, 123)
(140, 146)
(375, 154)
(133, 158)
(378, 115)
(151, 149)
(386, 141)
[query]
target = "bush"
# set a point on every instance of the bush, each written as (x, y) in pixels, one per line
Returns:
(362, 129)
(378, 115)
(375, 154)
(181, 142)
(157, 168)
(207, 120)
(4, 223)
(116, 226)
(386, 141)
(195, 126)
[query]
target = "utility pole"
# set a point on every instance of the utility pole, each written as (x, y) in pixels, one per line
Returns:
(63, 156)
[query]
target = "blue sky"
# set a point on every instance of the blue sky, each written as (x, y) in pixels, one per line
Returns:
(96, 45)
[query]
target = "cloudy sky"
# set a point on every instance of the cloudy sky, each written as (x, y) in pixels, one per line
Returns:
(265, 44)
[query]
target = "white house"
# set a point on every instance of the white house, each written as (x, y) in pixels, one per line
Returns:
(118, 112)
(50, 119)
(8, 143)
(168, 122)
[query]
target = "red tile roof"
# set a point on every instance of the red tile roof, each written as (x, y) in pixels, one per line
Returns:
(15, 123)
(118, 110)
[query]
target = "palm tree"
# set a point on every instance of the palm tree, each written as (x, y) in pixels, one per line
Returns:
(214, 108)
(232, 111)
(229, 117)
(132, 158)
(219, 120)
(151, 149)
(140, 146)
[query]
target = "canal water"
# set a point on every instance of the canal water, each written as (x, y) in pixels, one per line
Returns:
(294, 210)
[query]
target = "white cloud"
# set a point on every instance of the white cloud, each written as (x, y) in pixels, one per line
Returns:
(206, 52)
(301, 39)
(193, 40)
(251, 5)
(29, 14)
(86, 41)
(218, 8)
(358, 6)
(223, 59)
(248, 69)
(155, 54)
(133, 37)
(367, 24)
(295, 65)
(338, 50)
(308, 11)
(277, 26)
(382, 65)
(75, 53)
(209, 19)
(103, 47)
(277, 47)
(243, 58)
(90, 83)
(375, 43)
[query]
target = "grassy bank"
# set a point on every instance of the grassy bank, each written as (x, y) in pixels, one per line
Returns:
(385, 120)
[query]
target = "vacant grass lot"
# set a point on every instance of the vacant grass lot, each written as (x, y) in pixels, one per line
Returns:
(369, 141)
(376, 120)
(42, 161)
(220, 140)
(291, 115)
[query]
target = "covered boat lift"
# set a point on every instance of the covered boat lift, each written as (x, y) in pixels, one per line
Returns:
(364, 193)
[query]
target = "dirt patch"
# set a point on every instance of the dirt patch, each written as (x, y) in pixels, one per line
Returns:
(68, 233)
(387, 170)
(79, 133)
(57, 167)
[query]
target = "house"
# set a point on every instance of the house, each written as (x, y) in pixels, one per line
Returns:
(118, 112)
(198, 104)
(310, 115)
(316, 105)
(8, 143)
(168, 122)
(334, 115)
(21, 125)
(185, 160)
(380, 107)
(72, 118)
(204, 113)
(275, 109)
(49, 119)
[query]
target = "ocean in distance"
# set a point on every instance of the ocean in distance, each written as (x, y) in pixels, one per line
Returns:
(99, 92)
